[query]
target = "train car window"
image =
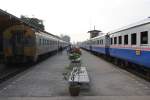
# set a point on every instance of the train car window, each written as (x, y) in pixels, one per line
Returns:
(133, 39)
(102, 42)
(115, 40)
(47, 42)
(39, 41)
(144, 37)
(125, 39)
(43, 41)
(111, 41)
(97, 41)
(120, 39)
(50, 42)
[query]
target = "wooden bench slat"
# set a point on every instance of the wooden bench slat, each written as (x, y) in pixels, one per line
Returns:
(82, 77)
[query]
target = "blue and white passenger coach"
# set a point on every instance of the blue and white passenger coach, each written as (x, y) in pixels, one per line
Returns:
(130, 43)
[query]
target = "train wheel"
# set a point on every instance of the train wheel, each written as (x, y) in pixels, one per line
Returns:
(122, 64)
(116, 61)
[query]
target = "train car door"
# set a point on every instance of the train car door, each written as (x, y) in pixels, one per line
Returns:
(18, 42)
(90, 45)
(107, 45)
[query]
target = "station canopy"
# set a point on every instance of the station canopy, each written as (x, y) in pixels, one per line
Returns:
(7, 20)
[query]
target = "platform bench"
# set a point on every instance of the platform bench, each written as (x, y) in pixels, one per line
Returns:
(80, 76)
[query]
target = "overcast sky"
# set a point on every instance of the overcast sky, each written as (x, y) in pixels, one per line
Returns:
(76, 17)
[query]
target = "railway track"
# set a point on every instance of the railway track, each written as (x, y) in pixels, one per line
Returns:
(8, 72)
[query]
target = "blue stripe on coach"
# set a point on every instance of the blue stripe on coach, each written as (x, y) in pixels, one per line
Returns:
(130, 55)
(99, 49)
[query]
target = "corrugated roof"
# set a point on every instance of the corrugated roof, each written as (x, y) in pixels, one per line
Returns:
(98, 36)
(139, 23)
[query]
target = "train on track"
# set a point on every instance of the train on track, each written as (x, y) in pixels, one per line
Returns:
(22, 42)
(127, 45)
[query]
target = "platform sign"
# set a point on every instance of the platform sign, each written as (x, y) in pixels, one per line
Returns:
(138, 52)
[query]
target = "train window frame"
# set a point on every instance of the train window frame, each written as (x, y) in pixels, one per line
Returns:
(43, 41)
(99, 41)
(133, 39)
(126, 40)
(111, 41)
(115, 40)
(141, 37)
(119, 39)
(40, 41)
(47, 41)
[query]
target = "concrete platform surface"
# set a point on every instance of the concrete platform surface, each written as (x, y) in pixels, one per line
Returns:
(80, 98)
(109, 80)
(44, 81)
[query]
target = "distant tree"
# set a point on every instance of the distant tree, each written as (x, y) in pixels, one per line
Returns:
(65, 37)
(38, 23)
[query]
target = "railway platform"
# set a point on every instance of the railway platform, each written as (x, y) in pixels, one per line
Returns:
(44, 81)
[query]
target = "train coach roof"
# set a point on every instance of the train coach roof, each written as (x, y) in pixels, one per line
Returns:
(98, 36)
(10, 19)
(139, 23)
